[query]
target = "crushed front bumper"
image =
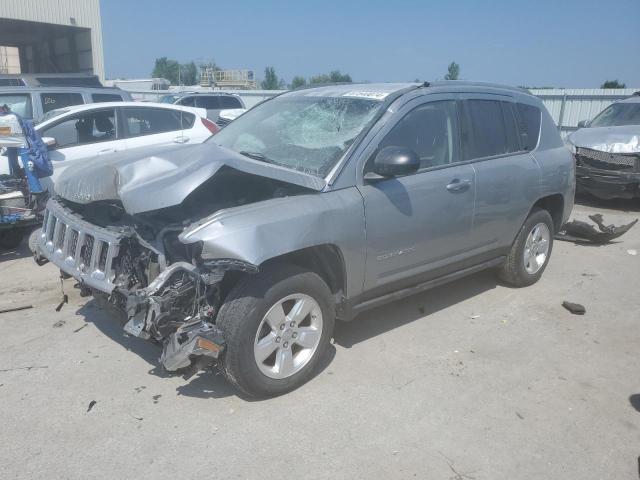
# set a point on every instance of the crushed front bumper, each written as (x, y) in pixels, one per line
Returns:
(607, 184)
(607, 175)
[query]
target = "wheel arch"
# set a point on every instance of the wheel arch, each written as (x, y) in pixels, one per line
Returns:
(325, 259)
(554, 204)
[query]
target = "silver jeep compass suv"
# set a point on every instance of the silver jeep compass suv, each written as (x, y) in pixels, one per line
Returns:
(314, 205)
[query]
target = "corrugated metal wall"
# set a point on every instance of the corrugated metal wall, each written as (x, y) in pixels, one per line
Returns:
(569, 106)
(85, 13)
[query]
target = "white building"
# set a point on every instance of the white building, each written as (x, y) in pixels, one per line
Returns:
(51, 36)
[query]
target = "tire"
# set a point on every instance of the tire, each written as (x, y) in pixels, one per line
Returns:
(243, 321)
(514, 271)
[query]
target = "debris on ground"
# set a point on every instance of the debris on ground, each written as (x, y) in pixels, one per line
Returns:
(59, 323)
(578, 231)
(136, 417)
(15, 309)
(574, 308)
(78, 329)
(632, 252)
(519, 415)
(31, 367)
(91, 405)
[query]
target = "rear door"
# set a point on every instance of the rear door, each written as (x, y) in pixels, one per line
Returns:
(155, 126)
(507, 176)
(418, 226)
(80, 136)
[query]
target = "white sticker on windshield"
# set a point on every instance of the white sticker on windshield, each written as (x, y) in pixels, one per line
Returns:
(372, 95)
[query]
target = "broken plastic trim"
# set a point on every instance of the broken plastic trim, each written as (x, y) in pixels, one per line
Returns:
(581, 232)
(191, 339)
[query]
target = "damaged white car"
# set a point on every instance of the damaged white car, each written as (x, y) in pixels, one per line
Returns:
(607, 151)
(314, 205)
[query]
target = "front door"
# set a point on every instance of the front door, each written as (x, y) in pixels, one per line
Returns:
(419, 225)
(79, 137)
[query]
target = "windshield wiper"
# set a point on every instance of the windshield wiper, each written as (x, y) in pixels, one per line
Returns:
(256, 156)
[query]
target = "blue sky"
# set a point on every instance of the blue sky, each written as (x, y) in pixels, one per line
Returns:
(535, 43)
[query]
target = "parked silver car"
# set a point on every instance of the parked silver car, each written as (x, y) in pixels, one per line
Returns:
(607, 151)
(312, 206)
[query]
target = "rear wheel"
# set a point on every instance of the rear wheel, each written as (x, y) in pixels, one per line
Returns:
(530, 251)
(277, 324)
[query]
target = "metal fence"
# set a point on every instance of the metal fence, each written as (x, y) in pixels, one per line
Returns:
(566, 106)
(569, 106)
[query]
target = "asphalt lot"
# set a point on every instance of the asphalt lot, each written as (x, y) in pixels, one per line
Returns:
(472, 380)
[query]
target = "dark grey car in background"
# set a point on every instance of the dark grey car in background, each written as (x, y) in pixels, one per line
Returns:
(312, 206)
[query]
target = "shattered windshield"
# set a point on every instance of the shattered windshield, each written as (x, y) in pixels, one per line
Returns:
(617, 115)
(308, 134)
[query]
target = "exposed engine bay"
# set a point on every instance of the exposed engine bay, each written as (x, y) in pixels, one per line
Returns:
(137, 264)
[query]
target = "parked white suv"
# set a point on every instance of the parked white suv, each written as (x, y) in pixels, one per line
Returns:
(85, 131)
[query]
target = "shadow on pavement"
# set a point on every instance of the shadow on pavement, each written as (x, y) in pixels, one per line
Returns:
(21, 251)
(207, 383)
(393, 315)
(634, 400)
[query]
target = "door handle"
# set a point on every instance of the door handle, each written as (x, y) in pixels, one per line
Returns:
(106, 150)
(181, 139)
(458, 185)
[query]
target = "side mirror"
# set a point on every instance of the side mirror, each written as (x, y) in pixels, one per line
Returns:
(583, 123)
(395, 162)
(49, 141)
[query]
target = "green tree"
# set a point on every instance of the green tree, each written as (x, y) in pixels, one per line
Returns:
(297, 82)
(453, 71)
(613, 84)
(189, 74)
(271, 80)
(166, 68)
(334, 76)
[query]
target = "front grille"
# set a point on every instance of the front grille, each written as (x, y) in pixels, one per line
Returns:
(62, 228)
(86, 252)
(73, 244)
(83, 250)
(609, 161)
(222, 122)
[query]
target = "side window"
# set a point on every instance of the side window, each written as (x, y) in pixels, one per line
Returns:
(149, 121)
(105, 97)
(208, 102)
(51, 101)
(229, 102)
(187, 102)
(430, 131)
(91, 127)
(513, 144)
(528, 125)
(19, 103)
(485, 133)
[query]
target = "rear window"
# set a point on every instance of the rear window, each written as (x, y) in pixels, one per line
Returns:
(489, 129)
(105, 97)
(208, 102)
(19, 103)
(51, 101)
(528, 125)
(230, 102)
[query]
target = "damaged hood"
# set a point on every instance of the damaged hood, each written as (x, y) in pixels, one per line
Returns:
(624, 139)
(162, 176)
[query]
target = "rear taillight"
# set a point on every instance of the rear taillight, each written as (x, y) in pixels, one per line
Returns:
(212, 127)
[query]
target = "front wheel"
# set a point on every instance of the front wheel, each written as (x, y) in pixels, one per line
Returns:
(530, 251)
(277, 324)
